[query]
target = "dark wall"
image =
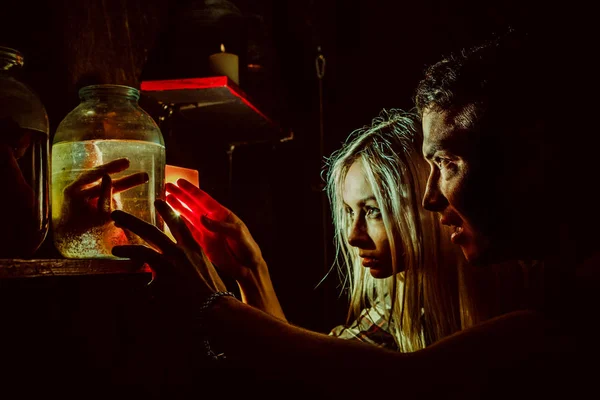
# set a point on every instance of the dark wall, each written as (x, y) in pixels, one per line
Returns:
(68, 44)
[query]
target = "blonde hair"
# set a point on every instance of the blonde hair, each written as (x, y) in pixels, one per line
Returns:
(425, 298)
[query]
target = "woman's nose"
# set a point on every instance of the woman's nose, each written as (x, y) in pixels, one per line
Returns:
(358, 234)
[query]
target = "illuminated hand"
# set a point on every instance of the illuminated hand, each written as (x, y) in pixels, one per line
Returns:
(181, 270)
(225, 238)
(88, 202)
(228, 244)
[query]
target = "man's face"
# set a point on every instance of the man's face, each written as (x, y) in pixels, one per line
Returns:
(458, 187)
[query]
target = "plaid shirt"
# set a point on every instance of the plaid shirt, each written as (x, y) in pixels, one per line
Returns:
(371, 327)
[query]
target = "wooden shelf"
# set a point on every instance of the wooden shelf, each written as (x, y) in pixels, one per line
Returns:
(216, 105)
(10, 268)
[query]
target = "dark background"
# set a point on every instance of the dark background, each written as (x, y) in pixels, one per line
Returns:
(375, 52)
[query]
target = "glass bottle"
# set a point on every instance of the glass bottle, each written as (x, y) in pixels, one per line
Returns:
(24, 142)
(107, 135)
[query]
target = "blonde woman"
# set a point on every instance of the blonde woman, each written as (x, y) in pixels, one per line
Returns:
(402, 275)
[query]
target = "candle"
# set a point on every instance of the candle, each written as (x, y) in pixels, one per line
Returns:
(225, 64)
(172, 174)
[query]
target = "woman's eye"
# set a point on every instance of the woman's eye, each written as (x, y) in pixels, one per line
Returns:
(349, 212)
(373, 212)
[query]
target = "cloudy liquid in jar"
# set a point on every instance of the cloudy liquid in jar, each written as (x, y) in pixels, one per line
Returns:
(79, 235)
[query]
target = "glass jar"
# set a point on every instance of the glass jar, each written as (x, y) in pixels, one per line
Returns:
(101, 152)
(24, 166)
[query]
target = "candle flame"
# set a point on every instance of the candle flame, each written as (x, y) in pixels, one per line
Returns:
(222, 48)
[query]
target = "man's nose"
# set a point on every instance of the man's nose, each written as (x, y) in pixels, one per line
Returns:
(433, 199)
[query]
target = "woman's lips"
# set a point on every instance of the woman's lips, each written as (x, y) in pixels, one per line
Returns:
(369, 262)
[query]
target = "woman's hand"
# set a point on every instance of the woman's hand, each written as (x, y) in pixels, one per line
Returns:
(225, 238)
(228, 244)
(182, 272)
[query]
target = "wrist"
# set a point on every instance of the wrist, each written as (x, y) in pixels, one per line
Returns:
(257, 291)
(203, 321)
(256, 281)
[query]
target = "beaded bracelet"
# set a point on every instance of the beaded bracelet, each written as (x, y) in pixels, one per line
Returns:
(205, 306)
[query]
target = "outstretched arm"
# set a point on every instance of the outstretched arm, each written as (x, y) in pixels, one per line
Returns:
(465, 365)
(491, 357)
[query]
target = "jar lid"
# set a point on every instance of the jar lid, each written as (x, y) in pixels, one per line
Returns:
(109, 90)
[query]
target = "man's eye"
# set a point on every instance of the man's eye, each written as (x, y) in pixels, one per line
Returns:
(373, 212)
(442, 163)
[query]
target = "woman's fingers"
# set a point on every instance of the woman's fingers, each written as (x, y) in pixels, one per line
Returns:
(182, 209)
(199, 226)
(145, 230)
(211, 205)
(185, 198)
(190, 219)
(197, 233)
(142, 254)
(176, 225)
(202, 232)
(190, 261)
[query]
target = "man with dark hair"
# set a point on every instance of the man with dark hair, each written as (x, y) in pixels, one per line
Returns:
(499, 123)
(488, 118)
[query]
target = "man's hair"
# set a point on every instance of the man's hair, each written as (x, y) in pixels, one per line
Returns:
(510, 82)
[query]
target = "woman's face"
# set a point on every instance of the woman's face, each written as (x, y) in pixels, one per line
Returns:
(366, 231)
